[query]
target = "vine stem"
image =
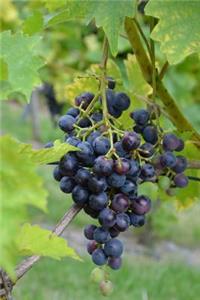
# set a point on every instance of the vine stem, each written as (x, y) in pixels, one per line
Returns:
(28, 263)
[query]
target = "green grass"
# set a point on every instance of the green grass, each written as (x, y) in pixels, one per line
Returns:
(69, 280)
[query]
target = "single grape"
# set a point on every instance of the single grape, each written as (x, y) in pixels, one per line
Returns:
(82, 176)
(122, 222)
(115, 262)
(80, 195)
(101, 145)
(120, 150)
(106, 287)
(85, 152)
(103, 166)
(180, 146)
(68, 164)
(111, 101)
(92, 136)
(120, 203)
(97, 117)
(181, 164)
(141, 205)
(97, 275)
(164, 182)
(111, 82)
(57, 174)
(122, 101)
(129, 187)
(113, 248)
(138, 128)
(107, 218)
(73, 111)
(84, 122)
(91, 246)
(134, 168)
(146, 150)
(122, 166)
(170, 142)
(89, 231)
(99, 257)
(116, 180)
(150, 134)
(90, 211)
(97, 184)
(114, 232)
(66, 123)
(72, 140)
(147, 172)
(181, 180)
(101, 235)
(140, 116)
(137, 220)
(168, 159)
(67, 184)
(84, 99)
(98, 202)
(130, 141)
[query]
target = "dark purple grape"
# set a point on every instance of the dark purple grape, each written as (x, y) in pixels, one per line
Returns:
(73, 111)
(103, 166)
(120, 150)
(97, 117)
(170, 142)
(120, 203)
(130, 141)
(122, 222)
(91, 246)
(92, 136)
(114, 232)
(116, 180)
(101, 145)
(80, 195)
(180, 146)
(111, 82)
(146, 150)
(90, 211)
(85, 152)
(113, 248)
(140, 116)
(122, 101)
(84, 99)
(84, 122)
(66, 123)
(181, 180)
(147, 172)
(67, 184)
(101, 235)
(168, 159)
(107, 218)
(122, 166)
(115, 262)
(181, 164)
(111, 101)
(57, 174)
(99, 257)
(150, 134)
(137, 220)
(89, 231)
(72, 140)
(82, 176)
(129, 187)
(134, 168)
(68, 164)
(138, 128)
(98, 202)
(97, 184)
(141, 205)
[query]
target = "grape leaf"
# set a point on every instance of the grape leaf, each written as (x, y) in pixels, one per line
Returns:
(178, 29)
(53, 5)
(47, 155)
(33, 24)
(20, 186)
(34, 240)
(18, 52)
(108, 14)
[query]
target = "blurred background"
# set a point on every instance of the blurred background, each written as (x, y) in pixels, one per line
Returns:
(162, 260)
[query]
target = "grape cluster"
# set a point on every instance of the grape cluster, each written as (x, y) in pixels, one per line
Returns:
(103, 175)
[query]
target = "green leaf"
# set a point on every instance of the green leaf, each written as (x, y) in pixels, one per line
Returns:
(18, 52)
(53, 5)
(108, 14)
(178, 29)
(47, 155)
(148, 189)
(20, 186)
(34, 240)
(33, 24)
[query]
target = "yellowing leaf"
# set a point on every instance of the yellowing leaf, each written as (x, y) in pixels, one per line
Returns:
(34, 240)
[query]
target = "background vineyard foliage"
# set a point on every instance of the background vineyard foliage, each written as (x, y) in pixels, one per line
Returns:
(71, 50)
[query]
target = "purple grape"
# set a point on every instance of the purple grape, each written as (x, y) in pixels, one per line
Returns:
(137, 220)
(146, 150)
(141, 205)
(114, 232)
(97, 184)
(103, 166)
(99, 257)
(107, 218)
(113, 248)
(67, 184)
(68, 164)
(111, 82)
(140, 116)
(181, 164)
(91, 246)
(122, 166)
(170, 142)
(97, 117)
(72, 140)
(130, 141)
(101, 235)
(150, 134)
(122, 222)
(120, 203)
(181, 180)
(98, 202)
(89, 231)
(85, 152)
(147, 171)
(66, 123)
(129, 187)
(168, 159)
(57, 174)
(114, 262)
(180, 146)
(73, 111)
(122, 101)
(116, 180)
(92, 136)
(134, 168)
(120, 150)
(82, 176)
(84, 122)
(91, 212)
(80, 195)
(101, 145)
(84, 99)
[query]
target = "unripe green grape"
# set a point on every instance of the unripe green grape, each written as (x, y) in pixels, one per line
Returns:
(106, 287)
(97, 275)
(164, 182)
